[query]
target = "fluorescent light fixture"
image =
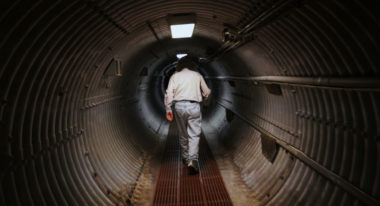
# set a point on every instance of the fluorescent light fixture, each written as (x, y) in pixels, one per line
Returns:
(182, 30)
(181, 55)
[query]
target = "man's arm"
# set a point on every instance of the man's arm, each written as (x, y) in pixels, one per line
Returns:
(169, 95)
(206, 92)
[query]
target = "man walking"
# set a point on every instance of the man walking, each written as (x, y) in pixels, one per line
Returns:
(186, 88)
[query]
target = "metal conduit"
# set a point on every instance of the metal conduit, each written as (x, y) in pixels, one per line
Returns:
(75, 132)
(372, 84)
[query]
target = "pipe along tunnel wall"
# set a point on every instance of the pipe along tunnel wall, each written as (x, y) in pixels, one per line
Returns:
(302, 75)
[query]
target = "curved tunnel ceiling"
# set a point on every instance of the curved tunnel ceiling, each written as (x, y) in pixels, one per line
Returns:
(301, 74)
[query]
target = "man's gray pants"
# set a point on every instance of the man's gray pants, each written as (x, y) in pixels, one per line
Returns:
(188, 118)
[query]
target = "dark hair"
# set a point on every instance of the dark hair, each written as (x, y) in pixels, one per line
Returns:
(186, 62)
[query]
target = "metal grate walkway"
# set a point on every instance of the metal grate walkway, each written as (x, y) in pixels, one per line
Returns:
(176, 187)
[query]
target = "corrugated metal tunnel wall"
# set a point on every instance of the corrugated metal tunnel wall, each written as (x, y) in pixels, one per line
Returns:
(304, 74)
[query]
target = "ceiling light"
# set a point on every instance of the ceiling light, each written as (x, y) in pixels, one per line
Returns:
(182, 30)
(181, 25)
(181, 55)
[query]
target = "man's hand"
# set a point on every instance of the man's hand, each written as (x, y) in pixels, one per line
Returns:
(169, 116)
(207, 102)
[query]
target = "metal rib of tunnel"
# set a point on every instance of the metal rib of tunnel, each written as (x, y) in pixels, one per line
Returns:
(294, 119)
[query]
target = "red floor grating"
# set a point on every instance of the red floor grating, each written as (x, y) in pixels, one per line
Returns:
(176, 187)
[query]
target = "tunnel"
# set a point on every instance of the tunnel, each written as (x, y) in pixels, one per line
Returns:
(294, 116)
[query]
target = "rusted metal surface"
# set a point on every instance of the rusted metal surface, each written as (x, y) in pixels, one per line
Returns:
(167, 185)
(176, 186)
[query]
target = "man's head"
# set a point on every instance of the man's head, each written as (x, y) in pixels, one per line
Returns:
(186, 62)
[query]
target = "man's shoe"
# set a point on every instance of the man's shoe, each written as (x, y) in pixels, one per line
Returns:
(193, 166)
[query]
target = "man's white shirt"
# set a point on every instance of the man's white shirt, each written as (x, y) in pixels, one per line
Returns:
(185, 85)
